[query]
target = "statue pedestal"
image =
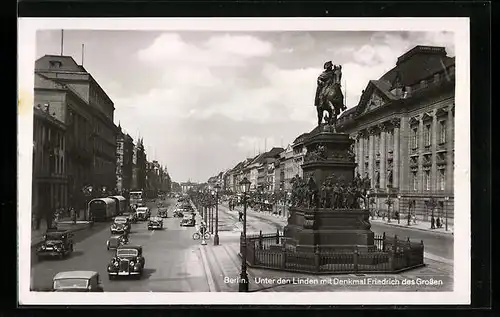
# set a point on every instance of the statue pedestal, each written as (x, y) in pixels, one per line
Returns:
(336, 227)
(329, 230)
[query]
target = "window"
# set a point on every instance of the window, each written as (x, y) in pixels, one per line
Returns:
(442, 132)
(414, 138)
(427, 135)
(442, 179)
(414, 181)
(427, 180)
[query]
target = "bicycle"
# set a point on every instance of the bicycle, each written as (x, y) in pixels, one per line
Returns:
(197, 236)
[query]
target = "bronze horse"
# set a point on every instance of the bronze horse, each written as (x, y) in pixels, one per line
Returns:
(331, 99)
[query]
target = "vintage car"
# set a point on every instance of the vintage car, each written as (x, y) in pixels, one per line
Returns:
(128, 260)
(116, 240)
(121, 224)
(178, 213)
(56, 243)
(163, 212)
(142, 213)
(188, 221)
(155, 223)
(77, 281)
(132, 216)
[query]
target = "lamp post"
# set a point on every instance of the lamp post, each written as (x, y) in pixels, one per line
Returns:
(243, 283)
(399, 208)
(216, 236)
(446, 213)
(368, 203)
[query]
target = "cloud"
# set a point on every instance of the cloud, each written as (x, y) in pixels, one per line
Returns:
(243, 45)
(206, 101)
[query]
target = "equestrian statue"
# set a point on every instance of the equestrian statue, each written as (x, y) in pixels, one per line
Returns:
(329, 95)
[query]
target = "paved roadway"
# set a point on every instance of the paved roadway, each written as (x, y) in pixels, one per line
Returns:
(437, 244)
(173, 262)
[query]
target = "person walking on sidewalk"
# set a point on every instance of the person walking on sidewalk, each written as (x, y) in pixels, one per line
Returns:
(240, 215)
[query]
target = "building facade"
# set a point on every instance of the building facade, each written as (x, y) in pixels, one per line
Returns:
(50, 182)
(77, 100)
(404, 132)
(124, 162)
(287, 159)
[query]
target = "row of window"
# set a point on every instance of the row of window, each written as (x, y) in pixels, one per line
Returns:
(427, 180)
(427, 136)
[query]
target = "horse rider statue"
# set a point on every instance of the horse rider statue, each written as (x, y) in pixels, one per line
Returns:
(329, 95)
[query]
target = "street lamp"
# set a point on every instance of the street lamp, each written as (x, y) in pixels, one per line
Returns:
(216, 236)
(399, 208)
(446, 213)
(243, 283)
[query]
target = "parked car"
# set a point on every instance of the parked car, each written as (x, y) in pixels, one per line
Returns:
(128, 260)
(77, 281)
(116, 241)
(121, 225)
(142, 213)
(188, 221)
(163, 212)
(57, 243)
(155, 223)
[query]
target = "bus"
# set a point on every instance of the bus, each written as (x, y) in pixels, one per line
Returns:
(136, 197)
(121, 204)
(102, 209)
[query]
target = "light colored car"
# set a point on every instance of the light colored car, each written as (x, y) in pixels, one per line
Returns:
(155, 223)
(77, 281)
(142, 213)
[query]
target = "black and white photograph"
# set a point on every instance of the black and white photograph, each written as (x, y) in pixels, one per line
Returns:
(186, 161)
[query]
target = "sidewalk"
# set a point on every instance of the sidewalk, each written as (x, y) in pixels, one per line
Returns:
(65, 223)
(420, 225)
(222, 266)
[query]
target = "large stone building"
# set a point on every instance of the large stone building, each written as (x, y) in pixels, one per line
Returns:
(124, 162)
(404, 131)
(50, 182)
(139, 162)
(76, 99)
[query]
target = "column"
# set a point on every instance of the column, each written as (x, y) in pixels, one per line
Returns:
(450, 146)
(420, 155)
(361, 160)
(395, 154)
(356, 155)
(383, 156)
(434, 172)
(370, 157)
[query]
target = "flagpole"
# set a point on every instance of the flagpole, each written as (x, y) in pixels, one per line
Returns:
(62, 42)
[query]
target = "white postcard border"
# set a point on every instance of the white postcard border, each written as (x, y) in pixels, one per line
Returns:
(462, 274)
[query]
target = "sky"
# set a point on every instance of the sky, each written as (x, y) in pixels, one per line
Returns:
(204, 101)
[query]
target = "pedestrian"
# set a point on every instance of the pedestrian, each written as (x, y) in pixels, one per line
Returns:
(240, 216)
(438, 223)
(433, 223)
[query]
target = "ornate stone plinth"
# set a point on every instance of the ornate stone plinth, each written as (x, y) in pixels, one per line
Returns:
(330, 230)
(329, 218)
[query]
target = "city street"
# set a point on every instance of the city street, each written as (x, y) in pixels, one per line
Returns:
(172, 259)
(177, 263)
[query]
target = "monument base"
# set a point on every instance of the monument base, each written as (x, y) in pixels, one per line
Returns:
(329, 230)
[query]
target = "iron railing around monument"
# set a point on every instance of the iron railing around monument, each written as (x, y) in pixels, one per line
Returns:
(390, 255)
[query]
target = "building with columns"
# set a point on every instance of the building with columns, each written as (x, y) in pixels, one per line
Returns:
(403, 128)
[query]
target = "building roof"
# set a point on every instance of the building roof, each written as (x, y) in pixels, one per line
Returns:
(75, 274)
(72, 66)
(419, 63)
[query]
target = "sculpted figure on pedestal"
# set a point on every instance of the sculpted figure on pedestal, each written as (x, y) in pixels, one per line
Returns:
(329, 95)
